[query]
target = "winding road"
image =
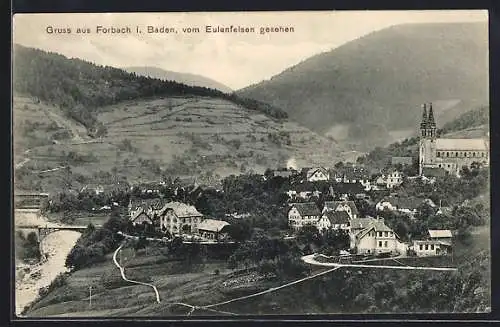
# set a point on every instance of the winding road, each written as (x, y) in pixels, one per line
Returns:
(310, 260)
(122, 271)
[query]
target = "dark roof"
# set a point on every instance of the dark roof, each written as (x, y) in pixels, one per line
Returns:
(433, 172)
(307, 209)
(348, 188)
(155, 203)
(138, 214)
(402, 160)
(334, 204)
(358, 223)
(337, 217)
(404, 202)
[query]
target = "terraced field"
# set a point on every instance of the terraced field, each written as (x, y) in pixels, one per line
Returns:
(198, 136)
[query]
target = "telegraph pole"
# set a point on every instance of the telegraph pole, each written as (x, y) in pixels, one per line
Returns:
(90, 296)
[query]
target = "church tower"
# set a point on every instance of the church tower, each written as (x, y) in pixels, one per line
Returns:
(427, 144)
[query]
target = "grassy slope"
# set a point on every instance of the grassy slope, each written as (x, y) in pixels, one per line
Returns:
(197, 285)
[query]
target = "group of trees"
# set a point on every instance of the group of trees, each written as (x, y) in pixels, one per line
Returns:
(86, 200)
(269, 255)
(264, 200)
(472, 118)
(95, 243)
(27, 246)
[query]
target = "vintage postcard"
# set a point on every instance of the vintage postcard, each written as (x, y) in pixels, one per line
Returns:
(251, 163)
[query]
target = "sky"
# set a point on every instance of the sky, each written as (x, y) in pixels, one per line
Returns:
(234, 59)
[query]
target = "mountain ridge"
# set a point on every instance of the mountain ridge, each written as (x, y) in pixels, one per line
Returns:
(184, 78)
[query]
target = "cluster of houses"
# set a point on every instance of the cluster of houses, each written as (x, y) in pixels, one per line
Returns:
(175, 218)
(367, 235)
(343, 181)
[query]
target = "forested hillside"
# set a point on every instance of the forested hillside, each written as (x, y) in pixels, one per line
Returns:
(473, 118)
(79, 88)
(184, 78)
(377, 83)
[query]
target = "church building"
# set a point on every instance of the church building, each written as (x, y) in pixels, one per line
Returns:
(447, 154)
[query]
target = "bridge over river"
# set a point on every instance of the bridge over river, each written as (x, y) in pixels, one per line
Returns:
(44, 229)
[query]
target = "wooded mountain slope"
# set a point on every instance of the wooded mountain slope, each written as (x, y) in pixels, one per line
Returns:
(378, 82)
(184, 78)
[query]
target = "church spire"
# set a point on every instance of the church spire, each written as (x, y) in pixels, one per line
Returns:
(423, 123)
(430, 120)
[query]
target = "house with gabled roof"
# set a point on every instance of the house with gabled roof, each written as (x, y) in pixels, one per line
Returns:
(442, 235)
(333, 220)
(315, 174)
(348, 206)
(373, 236)
(150, 206)
(140, 217)
(212, 229)
(301, 214)
(179, 218)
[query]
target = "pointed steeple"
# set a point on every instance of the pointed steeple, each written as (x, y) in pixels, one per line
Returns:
(430, 119)
(423, 123)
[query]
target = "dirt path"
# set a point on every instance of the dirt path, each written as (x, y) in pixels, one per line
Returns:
(64, 124)
(122, 271)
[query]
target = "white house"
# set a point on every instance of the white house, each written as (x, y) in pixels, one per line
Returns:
(333, 220)
(301, 214)
(375, 238)
(317, 174)
(423, 248)
(393, 179)
(347, 206)
(179, 218)
(408, 205)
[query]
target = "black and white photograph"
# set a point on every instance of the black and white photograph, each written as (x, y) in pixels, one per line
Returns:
(232, 164)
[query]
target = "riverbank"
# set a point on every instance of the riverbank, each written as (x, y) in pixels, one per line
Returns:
(30, 278)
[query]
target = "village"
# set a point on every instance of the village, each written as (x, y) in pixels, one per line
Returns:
(349, 198)
(368, 235)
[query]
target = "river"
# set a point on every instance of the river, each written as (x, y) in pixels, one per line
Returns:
(57, 245)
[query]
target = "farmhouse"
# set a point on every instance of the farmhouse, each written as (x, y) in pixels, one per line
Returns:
(301, 214)
(333, 220)
(140, 217)
(212, 229)
(179, 218)
(348, 206)
(442, 235)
